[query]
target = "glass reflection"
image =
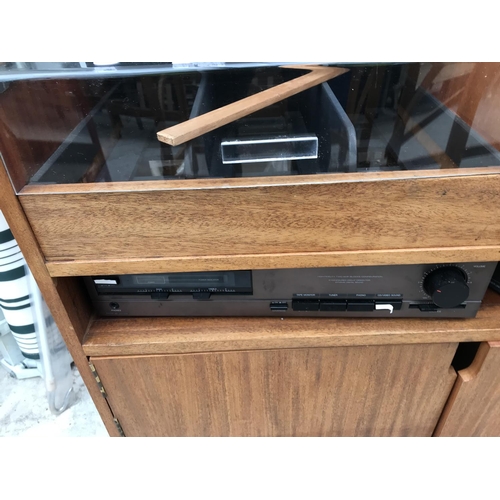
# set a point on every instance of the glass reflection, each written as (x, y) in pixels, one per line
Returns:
(378, 117)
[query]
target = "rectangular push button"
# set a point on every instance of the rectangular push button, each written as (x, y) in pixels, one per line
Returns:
(107, 280)
(279, 306)
(305, 305)
(396, 304)
(433, 307)
(332, 305)
(428, 307)
(360, 306)
(201, 295)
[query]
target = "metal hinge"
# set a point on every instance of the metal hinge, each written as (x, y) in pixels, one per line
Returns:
(119, 427)
(98, 380)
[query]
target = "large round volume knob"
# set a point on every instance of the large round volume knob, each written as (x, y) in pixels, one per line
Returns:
(447, 286)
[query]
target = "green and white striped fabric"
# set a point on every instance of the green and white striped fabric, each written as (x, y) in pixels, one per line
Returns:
(15, 299)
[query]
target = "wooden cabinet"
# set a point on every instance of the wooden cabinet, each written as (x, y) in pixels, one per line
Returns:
(395, 390)
(266, 377)
(263, 376)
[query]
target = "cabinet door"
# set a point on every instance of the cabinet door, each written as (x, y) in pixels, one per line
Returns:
(339, 391)
(473, 408)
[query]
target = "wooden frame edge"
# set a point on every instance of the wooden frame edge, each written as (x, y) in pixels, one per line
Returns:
(275, 261)
(252, 182)
(463, 377)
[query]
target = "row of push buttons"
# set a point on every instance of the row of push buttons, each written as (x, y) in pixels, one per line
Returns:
(342, 305)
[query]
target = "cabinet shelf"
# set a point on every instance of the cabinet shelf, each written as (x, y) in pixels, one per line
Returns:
(136, 336)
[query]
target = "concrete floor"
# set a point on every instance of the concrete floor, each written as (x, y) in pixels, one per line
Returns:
(24, 410)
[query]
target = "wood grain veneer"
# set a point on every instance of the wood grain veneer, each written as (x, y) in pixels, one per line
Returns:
(281, 218)
(76, 303)
(275, 261)
(251, 182)
(344, 391)
(473, 408)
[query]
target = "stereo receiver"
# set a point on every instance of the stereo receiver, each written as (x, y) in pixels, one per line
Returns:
(423, 290)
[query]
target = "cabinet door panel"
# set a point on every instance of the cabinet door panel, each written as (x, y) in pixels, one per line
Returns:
(341, 391)
(473, 408)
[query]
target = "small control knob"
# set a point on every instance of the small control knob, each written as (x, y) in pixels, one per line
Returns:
(447, 286)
